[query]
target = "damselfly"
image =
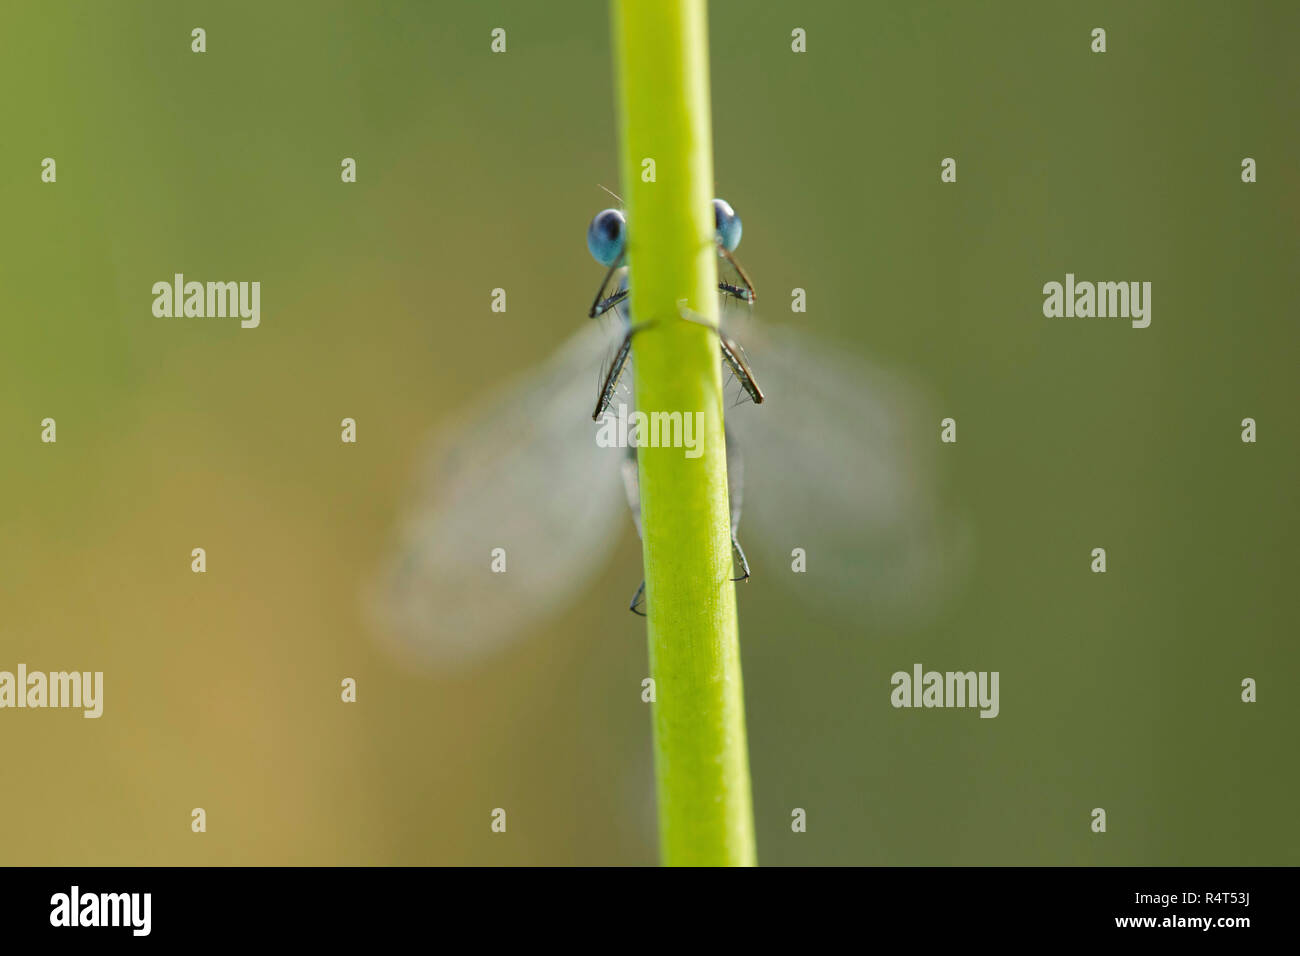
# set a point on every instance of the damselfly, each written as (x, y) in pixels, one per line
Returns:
(607, 242)
(837, 482)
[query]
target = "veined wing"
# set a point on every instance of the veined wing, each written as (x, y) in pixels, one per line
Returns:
(522, 473)
(839, 462)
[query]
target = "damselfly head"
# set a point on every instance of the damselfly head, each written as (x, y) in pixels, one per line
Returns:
(727, 224)
(607, 235)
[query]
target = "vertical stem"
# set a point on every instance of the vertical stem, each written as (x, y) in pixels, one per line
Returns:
(701, 760)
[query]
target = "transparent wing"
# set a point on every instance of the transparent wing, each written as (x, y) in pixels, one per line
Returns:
(523, 473)
(840, 462)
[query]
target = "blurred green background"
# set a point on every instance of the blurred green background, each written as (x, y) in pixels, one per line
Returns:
(478, 170)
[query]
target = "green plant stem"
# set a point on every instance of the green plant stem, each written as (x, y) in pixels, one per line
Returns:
(701, 760)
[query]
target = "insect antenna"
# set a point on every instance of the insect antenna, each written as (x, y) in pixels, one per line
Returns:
(617, 197)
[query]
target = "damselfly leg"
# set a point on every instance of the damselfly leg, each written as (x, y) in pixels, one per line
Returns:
(609, 383)
(603, 303)
(732, 353)
(744, 290)
(738, 560)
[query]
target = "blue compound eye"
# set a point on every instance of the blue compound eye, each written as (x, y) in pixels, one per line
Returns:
(727, 224)
(606, 235)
